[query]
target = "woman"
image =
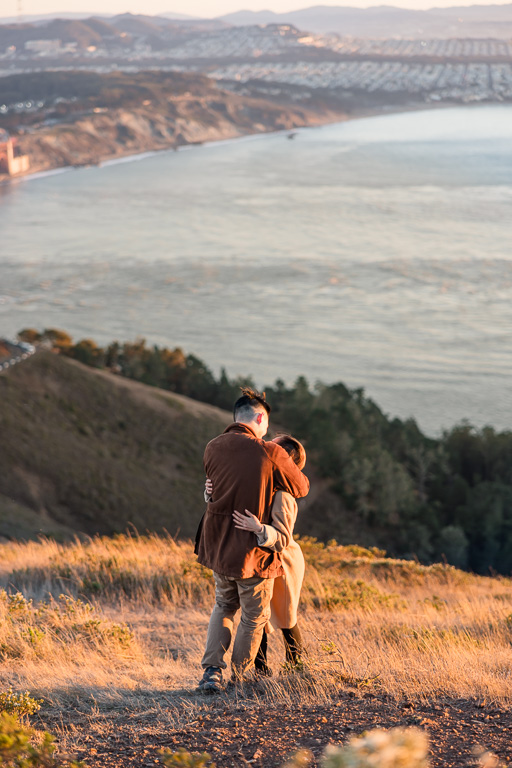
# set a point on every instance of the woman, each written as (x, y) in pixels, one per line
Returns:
(279, 538)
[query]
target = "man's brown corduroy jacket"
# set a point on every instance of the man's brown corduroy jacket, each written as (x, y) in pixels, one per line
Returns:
(245, 472)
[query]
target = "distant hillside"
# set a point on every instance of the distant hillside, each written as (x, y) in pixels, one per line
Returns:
(163, 31)
(106, 32)
(44, 17)
(86, 117)
(34, 18)
(83, 32)
(388, 21)
(82, 450)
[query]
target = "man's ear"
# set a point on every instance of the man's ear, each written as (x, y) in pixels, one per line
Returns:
(259, 418)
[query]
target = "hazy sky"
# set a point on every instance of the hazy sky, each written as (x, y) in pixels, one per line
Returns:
(205, 8)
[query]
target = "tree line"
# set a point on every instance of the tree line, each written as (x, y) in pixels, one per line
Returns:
(446, 498)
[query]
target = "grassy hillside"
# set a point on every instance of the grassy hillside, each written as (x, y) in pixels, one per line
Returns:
(110, 633)
(83, 450)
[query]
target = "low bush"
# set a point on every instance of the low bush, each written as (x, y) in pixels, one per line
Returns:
(19, 704)
(183, 759)
(38, 631)
(22, 747)
(396, 748)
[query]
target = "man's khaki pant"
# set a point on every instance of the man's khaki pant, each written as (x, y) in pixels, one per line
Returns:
(253, 597)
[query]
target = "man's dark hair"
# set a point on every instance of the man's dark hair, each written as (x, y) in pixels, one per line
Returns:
(249, 401)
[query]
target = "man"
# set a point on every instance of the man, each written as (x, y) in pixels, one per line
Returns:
(245, 472)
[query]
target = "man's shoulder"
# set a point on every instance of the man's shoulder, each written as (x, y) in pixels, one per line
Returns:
(250, 442)
(217, 438)
(217, 442)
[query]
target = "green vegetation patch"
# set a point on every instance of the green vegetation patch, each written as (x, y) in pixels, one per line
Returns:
(334, 555)
(30, 631)
(181, 758)
(341, 594)
(19, 704)
(23, 747)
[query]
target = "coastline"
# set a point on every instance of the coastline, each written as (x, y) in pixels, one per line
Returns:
(134, 155)
(129, 155)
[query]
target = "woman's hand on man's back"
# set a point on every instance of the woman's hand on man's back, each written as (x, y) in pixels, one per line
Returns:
(247, 522)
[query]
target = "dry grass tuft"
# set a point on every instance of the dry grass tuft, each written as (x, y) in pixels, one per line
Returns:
(143, 569)
(58, 629)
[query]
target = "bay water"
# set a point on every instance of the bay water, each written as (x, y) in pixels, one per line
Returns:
(377, 252)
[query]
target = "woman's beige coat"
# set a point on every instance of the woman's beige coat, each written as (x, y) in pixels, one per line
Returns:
(279, 537)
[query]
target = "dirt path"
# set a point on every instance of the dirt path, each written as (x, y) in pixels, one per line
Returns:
(237, 733)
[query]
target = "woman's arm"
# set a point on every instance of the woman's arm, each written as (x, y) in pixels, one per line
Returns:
(278, 535)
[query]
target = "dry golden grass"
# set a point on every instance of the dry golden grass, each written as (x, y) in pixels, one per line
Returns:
(130, 633)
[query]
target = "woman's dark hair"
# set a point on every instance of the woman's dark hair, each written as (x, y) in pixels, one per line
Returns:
(293, 447)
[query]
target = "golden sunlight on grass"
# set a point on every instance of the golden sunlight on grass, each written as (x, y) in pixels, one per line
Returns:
(122, 621)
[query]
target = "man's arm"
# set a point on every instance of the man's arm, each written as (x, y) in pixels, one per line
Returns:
(287, 475)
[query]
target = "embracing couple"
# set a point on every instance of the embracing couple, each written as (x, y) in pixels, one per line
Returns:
(246, 538)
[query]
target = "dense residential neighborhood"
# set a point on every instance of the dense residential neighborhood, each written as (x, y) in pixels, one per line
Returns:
(453, 81)
(429, 70)
(77, 91)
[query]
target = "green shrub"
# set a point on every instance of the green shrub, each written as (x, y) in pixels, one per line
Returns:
(23, 747)
(184, 759)
(20, 704)
(396, 748)
(347, 593)
(27, 630)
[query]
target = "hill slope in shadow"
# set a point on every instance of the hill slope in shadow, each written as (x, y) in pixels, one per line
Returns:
(86, 451)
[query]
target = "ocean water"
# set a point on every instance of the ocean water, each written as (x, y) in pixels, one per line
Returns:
(377, 252)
